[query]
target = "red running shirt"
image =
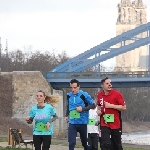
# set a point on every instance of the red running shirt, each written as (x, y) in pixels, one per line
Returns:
(113, 97)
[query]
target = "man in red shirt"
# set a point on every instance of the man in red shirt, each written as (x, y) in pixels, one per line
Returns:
(110, 104)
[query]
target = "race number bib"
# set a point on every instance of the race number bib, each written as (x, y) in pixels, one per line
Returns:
(91, 122)
(74, 114)
(41, 127)
(108, 117)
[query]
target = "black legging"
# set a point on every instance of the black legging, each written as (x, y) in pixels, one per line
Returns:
(45, 140)
(93, 141)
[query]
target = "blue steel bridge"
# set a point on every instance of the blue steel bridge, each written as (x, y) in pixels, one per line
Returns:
(75, 67)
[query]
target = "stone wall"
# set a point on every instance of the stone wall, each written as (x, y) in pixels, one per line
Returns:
(60, 125)
(26, 84)
(6, 94)
(17, 96)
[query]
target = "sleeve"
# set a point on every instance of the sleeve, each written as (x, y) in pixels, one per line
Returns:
(54, 116)
(88, 98)
(67, 109)
(120, 99)
(53, 112)
(90, 106)
(32, 113)
(90, 101)
(98, 101)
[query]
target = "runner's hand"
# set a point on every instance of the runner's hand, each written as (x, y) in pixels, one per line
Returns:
(98, 112)
(27, 118)
(66, 119)
(47, 126)
(108, 105)
(79, 109)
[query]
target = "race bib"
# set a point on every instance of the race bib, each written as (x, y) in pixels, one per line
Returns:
(108, 117)
(41, 127)
(91, 122)
(74, 114)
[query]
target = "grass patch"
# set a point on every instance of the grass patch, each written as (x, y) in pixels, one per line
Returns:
(3, 139)
(80, 146)
(9, 148)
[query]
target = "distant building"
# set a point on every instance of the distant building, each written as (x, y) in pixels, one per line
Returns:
(130, 15)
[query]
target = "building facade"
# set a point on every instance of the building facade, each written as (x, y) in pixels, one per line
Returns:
(130, 15)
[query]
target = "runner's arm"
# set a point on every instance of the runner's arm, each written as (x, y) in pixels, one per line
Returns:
(54, 118)
(91, 106)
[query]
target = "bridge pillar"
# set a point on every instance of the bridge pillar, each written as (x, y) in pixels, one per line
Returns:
(60, 126)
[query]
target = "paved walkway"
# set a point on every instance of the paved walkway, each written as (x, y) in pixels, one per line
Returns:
(60, 147)
(53, 147)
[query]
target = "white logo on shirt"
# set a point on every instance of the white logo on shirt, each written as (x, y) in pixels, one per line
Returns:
(101, 102)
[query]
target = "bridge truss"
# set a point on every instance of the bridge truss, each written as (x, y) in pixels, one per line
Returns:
(83, 61)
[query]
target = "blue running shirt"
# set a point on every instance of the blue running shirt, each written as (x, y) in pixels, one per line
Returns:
(41, 117)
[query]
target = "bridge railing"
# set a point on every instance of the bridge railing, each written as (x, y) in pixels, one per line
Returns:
(96, 75)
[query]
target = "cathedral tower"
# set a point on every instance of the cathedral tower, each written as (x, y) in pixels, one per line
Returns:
(130, 15)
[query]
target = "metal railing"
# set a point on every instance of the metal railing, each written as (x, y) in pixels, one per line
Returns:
(96, 75)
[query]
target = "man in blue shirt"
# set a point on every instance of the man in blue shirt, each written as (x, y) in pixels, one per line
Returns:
(77, 114)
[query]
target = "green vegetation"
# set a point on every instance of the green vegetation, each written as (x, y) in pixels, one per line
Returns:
(9, 148)
(3, 140)
(80, 146)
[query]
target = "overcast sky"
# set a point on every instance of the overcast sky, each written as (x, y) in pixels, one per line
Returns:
(71, 25)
